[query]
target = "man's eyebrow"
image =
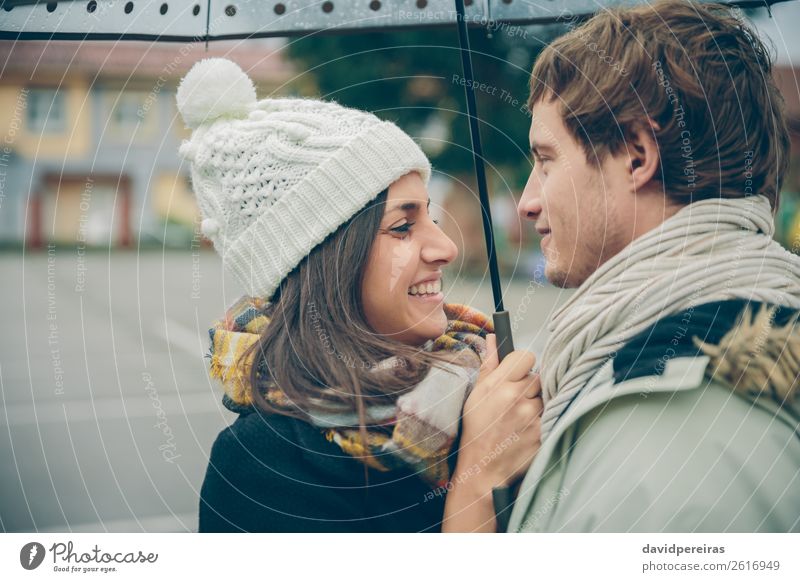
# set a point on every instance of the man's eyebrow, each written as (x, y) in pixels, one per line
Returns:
(538, 148)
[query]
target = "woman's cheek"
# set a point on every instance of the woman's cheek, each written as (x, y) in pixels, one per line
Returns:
(401, 267)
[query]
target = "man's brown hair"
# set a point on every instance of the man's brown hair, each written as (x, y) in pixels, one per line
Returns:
(697, 70)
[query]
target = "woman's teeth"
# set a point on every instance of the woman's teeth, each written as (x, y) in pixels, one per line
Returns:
(429, 288)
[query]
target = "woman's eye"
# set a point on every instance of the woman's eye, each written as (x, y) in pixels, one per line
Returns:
(403, 228)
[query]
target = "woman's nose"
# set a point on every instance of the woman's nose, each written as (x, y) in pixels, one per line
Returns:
(439, 248)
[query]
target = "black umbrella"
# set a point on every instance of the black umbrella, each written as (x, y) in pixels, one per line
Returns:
(502, 323)
(271, 21)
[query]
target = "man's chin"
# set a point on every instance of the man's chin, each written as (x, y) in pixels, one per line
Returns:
(562, 278)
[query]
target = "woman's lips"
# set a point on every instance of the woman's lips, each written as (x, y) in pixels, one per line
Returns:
(431, 298)
(428, 291)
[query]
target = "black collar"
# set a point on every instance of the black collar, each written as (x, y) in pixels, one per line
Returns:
(671, 337)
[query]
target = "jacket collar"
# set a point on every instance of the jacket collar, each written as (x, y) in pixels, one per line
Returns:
(679, 374)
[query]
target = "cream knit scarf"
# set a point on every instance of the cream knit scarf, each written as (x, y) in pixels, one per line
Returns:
(710, 250)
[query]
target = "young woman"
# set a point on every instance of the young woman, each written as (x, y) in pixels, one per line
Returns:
(350, 375)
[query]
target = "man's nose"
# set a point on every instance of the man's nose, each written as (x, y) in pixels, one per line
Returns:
(530, 203)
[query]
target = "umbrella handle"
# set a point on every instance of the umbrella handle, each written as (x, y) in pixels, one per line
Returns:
(502, 330)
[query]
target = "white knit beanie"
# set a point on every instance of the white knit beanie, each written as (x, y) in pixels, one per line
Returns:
(274, 178)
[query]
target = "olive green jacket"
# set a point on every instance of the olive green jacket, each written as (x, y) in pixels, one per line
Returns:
(671, 453)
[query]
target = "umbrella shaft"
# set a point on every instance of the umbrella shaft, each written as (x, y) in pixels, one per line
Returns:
(477, 152)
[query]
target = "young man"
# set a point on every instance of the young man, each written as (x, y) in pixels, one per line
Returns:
(670, 378)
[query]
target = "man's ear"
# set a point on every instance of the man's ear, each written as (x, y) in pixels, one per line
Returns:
(644, 161)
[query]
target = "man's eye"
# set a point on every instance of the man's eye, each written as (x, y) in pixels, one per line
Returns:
(542, 164)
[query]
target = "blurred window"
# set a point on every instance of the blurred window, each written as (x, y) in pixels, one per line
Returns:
(46, 111)
(128, 112)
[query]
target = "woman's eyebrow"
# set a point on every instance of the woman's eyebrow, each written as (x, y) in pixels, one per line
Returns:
(406, 206)
(409, 206)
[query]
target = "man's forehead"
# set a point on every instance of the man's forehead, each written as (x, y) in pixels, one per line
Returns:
(535, 125)
(545, 123)
(539, 132)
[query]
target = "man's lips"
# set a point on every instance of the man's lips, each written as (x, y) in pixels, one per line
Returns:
(545, 234)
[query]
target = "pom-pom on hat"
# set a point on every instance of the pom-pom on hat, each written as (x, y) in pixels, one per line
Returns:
(215, 88)
(273, 178)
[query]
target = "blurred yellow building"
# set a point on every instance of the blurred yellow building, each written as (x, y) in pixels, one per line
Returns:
(89, 133)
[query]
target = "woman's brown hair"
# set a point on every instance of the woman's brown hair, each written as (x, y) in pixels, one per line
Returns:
(697, 70)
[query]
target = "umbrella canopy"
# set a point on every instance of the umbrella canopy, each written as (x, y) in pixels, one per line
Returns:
(209, 20)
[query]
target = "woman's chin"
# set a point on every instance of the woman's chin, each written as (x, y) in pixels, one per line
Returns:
(433, 324)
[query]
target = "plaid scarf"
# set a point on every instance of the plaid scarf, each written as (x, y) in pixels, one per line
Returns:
(416, 432)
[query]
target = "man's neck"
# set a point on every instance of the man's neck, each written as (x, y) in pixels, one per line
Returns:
(650, 210)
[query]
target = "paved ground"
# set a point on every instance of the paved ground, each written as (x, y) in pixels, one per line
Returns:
(107, 414)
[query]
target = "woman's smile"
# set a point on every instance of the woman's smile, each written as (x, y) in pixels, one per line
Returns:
(427, 291)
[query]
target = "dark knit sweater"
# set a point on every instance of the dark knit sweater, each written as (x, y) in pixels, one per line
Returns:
(271, 473)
